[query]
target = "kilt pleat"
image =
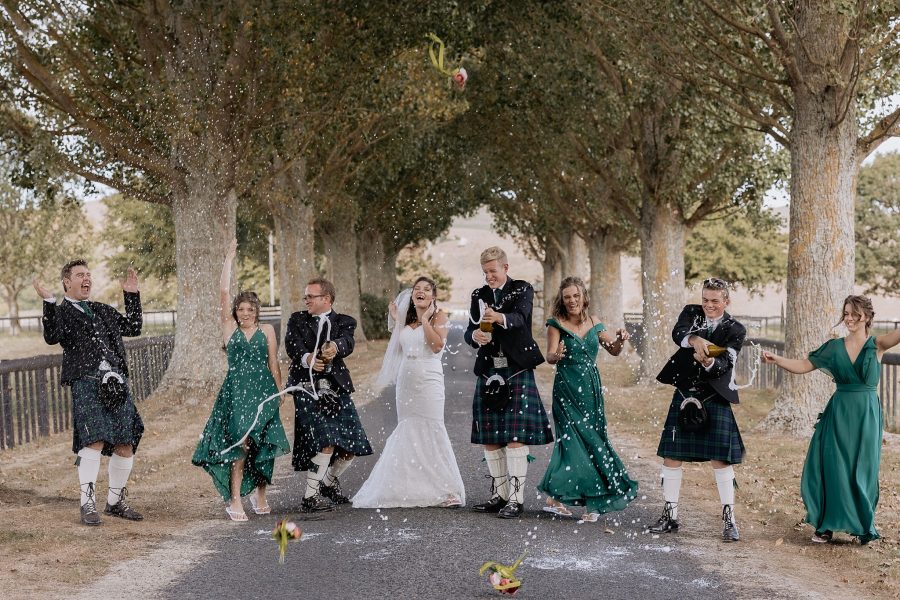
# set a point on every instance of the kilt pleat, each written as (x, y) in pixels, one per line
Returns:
(314, 431)
(721, 440)
(93, 422)
(522, 420)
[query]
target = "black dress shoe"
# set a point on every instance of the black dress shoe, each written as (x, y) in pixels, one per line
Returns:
(316, 503)
(666, 523)
(334, 493)
(730, 531)
(491, 506)
(122, 510)
(89, 514)
(512, 510)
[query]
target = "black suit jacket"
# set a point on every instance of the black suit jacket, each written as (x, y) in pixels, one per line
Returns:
(300, 338)
(80, 336)
(515, 339)
(683, 371)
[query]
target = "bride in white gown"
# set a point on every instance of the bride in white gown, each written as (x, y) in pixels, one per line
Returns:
(417, 466)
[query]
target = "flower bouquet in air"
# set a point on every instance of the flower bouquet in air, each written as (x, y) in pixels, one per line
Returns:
(503, 577)
(285, 531)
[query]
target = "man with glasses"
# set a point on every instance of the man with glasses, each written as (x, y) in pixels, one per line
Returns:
(327, 430)
(90, 334)
(701, 370)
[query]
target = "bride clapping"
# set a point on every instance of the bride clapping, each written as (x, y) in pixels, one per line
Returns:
(418, 466)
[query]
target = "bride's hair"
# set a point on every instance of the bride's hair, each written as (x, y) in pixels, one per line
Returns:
(411, 315)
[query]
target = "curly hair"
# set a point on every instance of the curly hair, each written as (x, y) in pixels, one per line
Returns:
(859, 305)
(249, 297)
(559, 307)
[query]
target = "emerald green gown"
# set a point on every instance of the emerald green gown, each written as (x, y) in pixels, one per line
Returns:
(249, 382)
(584, 468)
(840, 476)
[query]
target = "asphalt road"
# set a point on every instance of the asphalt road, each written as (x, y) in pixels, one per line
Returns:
(435, 553)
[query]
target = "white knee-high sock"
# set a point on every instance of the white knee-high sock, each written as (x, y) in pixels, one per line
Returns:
(671, 477)
(496, 464)
(517, 467)
(88, 468)
(315, 477)
(119, 470)
(725, 483)
(335, 471)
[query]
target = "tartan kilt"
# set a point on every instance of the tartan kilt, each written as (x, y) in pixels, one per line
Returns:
(93, 422)
(721, 440)
(314, 431)
(522, 420)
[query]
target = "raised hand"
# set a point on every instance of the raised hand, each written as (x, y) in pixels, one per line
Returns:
(131, 281)
(622, 335)
(429, 312)
(392, 310)
(561, 350)
(41, 290)
(769, 357)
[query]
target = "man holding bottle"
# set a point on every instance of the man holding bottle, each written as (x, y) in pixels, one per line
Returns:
(508, 414)
(327, 430)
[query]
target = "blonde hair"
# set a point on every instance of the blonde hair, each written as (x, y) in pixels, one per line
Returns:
(494, 253)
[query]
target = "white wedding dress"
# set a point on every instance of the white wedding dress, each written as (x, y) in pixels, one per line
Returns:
(417, 466)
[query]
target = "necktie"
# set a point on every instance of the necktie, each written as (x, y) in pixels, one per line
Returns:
(710, 327)
(86, 308)
(497, 295)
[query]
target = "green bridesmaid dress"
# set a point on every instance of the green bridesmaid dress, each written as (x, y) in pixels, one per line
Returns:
(840, 476)
(248, 382)
(584, 468)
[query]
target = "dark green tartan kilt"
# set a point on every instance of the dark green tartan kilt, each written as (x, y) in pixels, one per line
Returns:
(522, 420)
(721, 440)
(314, 431)
(93, 422)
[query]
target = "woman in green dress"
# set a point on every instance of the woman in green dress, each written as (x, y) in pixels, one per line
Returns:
(584, 468)
(839, 484)
(236, 466)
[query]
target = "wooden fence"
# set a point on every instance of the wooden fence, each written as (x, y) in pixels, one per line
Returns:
(33, 404)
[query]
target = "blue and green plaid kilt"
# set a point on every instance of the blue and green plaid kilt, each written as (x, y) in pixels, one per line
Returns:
(93, 422)
(721, 440)
(522, 420)
(314, 431)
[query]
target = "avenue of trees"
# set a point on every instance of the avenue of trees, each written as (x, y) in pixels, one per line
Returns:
(588, 129)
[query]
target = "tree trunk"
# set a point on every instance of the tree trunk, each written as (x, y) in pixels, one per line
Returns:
(821, 253)
(204, 224)
(377, 266)
(340, 245)
(575, 259)
(11, 297)
(606, 280)
(295, 235)
(662, 283)
(552, 266)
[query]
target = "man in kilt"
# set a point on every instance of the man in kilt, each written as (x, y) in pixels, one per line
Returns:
(90, 334)
(327, 430)
(508, 415)
(710, 380)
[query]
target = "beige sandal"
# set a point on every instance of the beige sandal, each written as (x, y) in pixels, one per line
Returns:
(236, 516)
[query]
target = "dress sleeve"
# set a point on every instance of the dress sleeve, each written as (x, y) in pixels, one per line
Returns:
(600, 328)
(823, 356)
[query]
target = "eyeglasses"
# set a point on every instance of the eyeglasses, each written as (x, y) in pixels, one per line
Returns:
(715, 283)
(305, 298)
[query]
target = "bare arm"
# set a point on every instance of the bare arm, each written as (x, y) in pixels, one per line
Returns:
(225, 285)
(556, 348)
(435, 329)
(614, 346)
(791, 365)
(272, 344)
(887, 341)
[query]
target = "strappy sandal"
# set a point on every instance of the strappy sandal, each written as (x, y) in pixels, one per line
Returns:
(451, 502)
(559, 510)
(260, 510)
(236, 516)
(590, 517)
